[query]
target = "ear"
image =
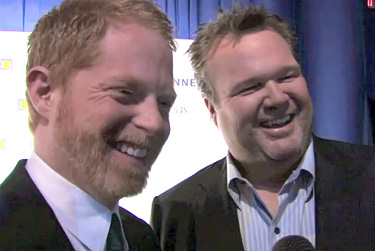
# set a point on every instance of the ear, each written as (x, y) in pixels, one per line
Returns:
(39, 90)
(211, 108)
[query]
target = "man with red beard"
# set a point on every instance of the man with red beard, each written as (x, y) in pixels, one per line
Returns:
(99, 87)
(277, 179)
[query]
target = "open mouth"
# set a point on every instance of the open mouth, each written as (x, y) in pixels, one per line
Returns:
(130, 150)
(277, 123)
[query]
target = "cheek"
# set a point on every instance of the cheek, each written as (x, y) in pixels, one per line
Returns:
(245, 109)
(236, 119)
(101, 122)
(306, 107)
(166, 130)
(300, 91)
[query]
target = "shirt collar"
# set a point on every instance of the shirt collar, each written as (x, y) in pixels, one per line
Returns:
(80, 214)
(307, 163)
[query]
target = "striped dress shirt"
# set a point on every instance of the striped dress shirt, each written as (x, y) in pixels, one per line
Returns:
(296, 213)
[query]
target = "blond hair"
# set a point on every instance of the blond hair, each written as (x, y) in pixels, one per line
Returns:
(67, 37)
(237, 22)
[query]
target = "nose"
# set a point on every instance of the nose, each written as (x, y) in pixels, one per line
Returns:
(275, 95)
(148, 117)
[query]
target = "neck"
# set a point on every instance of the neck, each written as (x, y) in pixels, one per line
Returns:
(104, 199)
(269, 175)
(61, 164)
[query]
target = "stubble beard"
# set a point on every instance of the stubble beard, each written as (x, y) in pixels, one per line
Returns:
(90, 156)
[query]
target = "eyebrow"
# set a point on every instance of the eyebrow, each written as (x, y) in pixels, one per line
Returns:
(282, 70)
(129, 81)
(133, 83)
(289, 68)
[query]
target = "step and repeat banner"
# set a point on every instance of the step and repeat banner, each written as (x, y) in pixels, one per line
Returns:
(194, 141)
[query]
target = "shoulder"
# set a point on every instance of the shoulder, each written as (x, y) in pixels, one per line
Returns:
(12, 192)
(24, 215)
(344, 151)
(208, 177)
(350, 164)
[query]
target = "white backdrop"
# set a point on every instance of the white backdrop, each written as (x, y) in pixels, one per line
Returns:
(194, 141)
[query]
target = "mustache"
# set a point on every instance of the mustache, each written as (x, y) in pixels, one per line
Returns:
(138, 140)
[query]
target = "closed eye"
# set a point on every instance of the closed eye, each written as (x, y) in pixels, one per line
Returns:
(166, 103)
(125, 96)
(250, 89)
(126, 92)
(287, 78)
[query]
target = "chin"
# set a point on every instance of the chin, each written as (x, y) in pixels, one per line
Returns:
(121, 189)
(134, 187)
(123, 182)
(285, 152)
(133, 183)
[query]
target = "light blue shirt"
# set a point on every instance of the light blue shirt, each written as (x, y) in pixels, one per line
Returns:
(296, 213)
(85, 221)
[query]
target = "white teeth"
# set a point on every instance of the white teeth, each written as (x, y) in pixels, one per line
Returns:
(277, 121)
(140, 153)
(136, 152)
(130, 151)
(124, 148)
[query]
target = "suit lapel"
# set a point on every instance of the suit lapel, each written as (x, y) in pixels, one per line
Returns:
(220, 213)
(31, 217)
(139, 236)
(322, 195)
(335, 201)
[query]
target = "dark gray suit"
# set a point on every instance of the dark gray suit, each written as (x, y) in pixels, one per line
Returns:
(28, 223)
(199, 214)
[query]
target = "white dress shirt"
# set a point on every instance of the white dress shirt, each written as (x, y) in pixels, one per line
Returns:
(85, 221)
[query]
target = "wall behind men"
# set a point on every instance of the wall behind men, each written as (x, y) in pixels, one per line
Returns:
(336, 51)
(194, 141)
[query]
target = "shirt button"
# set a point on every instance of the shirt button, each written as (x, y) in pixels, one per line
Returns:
(277, 230)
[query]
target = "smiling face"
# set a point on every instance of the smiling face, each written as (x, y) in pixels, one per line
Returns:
(263, 107)
(113, 119)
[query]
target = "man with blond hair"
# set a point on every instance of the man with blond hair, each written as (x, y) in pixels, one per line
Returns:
(277, 180)
(99, 88)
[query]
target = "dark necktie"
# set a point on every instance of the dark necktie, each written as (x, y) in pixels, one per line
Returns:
(114, 239)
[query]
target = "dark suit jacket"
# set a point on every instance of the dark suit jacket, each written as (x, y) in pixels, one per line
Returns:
(199, 214)
(28, 223)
